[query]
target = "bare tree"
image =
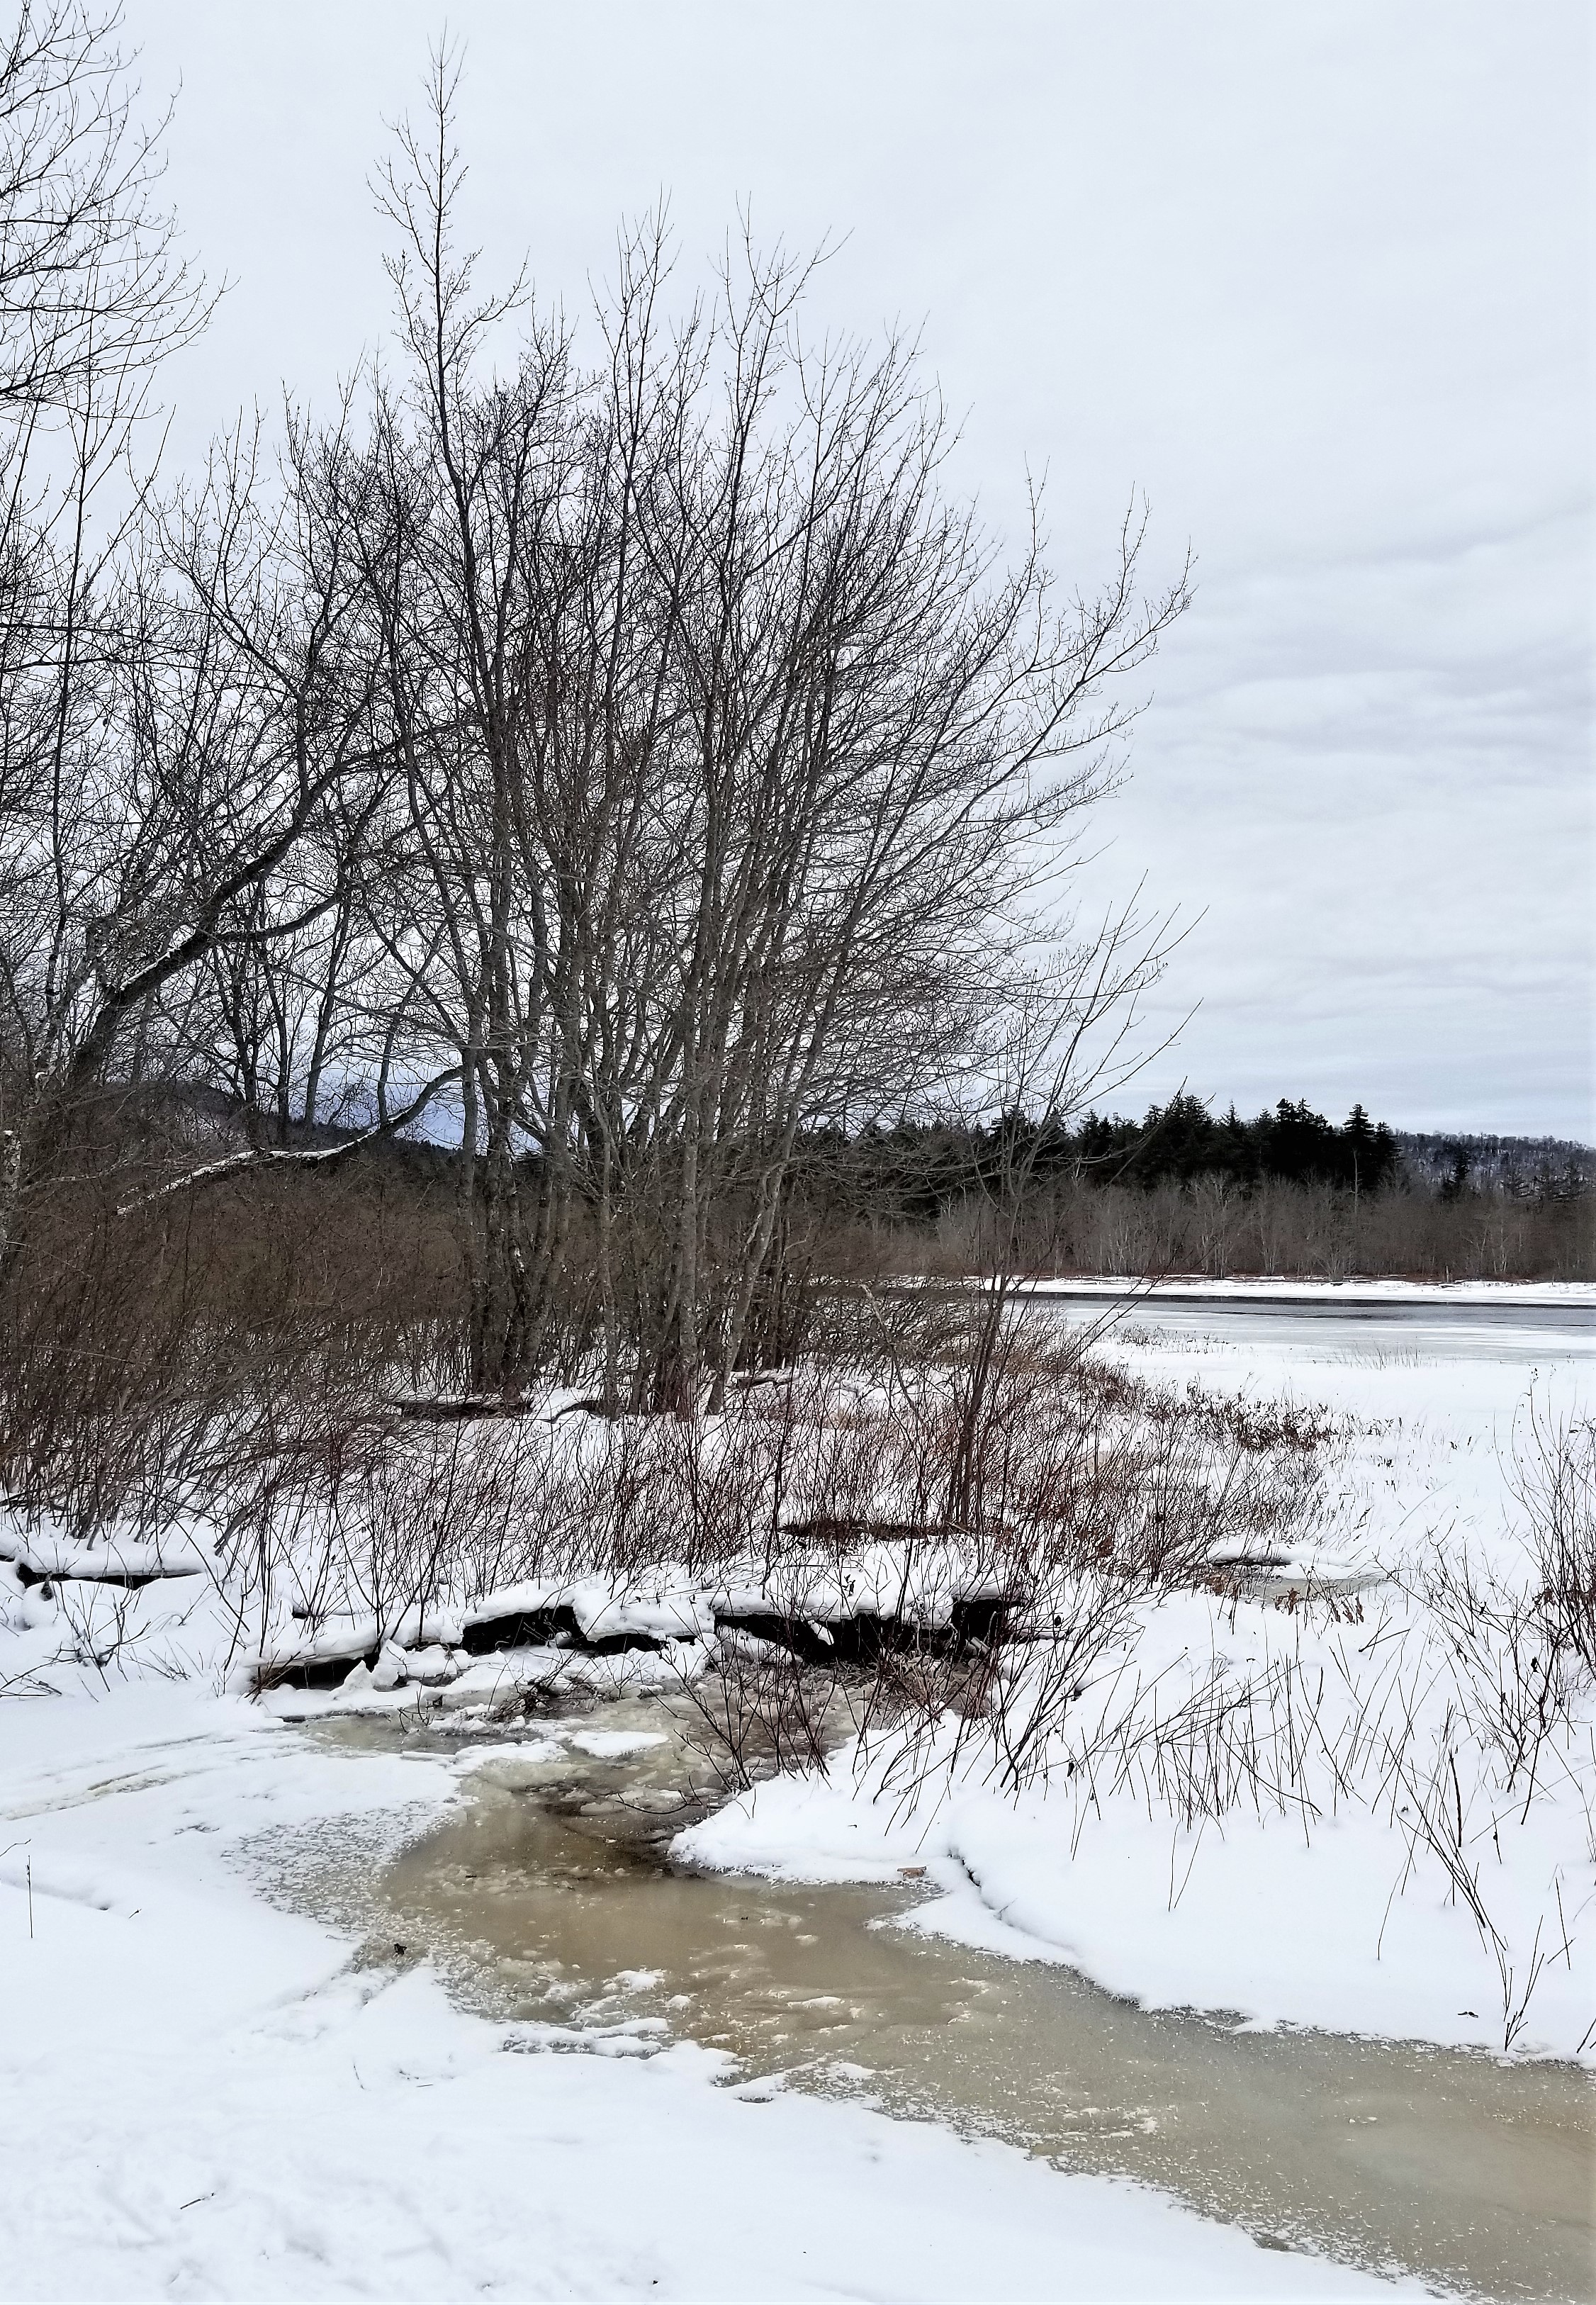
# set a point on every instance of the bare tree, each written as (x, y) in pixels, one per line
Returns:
(92, 286)
(471, 480)
(731, 751)
(93, 293)
(653, 754)
(208, 791)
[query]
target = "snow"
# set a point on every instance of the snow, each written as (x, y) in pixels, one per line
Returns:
(523, 1763)
(206, 2096)
(1340, 1918)
(498, 1685)
(667, 1606)
(1246, 1919)
(1356, 1290)
(920, 1585)
(614, 1744)
(46, 1551)
(515, 1766)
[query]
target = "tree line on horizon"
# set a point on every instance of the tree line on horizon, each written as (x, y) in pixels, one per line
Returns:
(922, 1167)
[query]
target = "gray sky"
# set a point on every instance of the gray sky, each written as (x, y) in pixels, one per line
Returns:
(1315, 279)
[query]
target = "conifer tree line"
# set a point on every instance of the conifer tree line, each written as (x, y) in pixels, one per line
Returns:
(1189, 1190)
(924, 1167)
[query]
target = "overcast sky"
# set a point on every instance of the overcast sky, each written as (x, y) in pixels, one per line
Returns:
(1316, 279)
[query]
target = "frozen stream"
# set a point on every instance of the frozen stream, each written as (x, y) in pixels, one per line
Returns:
(550, 1896)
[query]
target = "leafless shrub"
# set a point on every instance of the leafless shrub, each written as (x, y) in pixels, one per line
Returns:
(146, 1365)
(1079, 1618)
(1508, 1659)
(763, 1710)
(1436, 1813)
(1087, 1491)
(1275, 1226)
(1556, 1487)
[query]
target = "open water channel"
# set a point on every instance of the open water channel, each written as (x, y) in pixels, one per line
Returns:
(550, 1896)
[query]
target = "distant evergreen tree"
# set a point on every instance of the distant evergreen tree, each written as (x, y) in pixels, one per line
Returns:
(912, 1170)
(1456, 1183)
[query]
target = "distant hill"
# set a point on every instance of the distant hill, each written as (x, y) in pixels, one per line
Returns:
(1508, 1164)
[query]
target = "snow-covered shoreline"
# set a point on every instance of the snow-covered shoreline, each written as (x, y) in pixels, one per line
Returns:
(207, 2096)
(1239, 1917)
(205, 2093)
(1181, 1288)
(1325, 1919)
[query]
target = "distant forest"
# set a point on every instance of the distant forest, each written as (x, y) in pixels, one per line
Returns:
(921, 1169)
(1186, 1190)
(1181, 1190)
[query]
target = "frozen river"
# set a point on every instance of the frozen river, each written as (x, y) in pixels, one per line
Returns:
(1327, 1324)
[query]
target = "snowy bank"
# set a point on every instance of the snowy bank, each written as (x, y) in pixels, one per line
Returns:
(1237, 1800)
(1298, 1289)
(1366, 1813)
(1251, 1917)
(207, 2096)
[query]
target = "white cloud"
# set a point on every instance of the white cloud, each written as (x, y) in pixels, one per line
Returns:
(1314, 279)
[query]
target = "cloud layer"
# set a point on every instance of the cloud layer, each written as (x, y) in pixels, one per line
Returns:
(1314, 280)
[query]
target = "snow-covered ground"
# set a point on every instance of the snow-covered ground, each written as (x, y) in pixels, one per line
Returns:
(1257, 1288)
(207, 2096)
(1339, 1914)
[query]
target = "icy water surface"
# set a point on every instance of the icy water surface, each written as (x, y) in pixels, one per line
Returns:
(556, 1902)
(1376, 1329)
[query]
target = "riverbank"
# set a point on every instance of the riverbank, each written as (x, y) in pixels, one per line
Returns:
(207, 2092)
(1306, 1290)
(208, 2096)
(1248, 1815)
